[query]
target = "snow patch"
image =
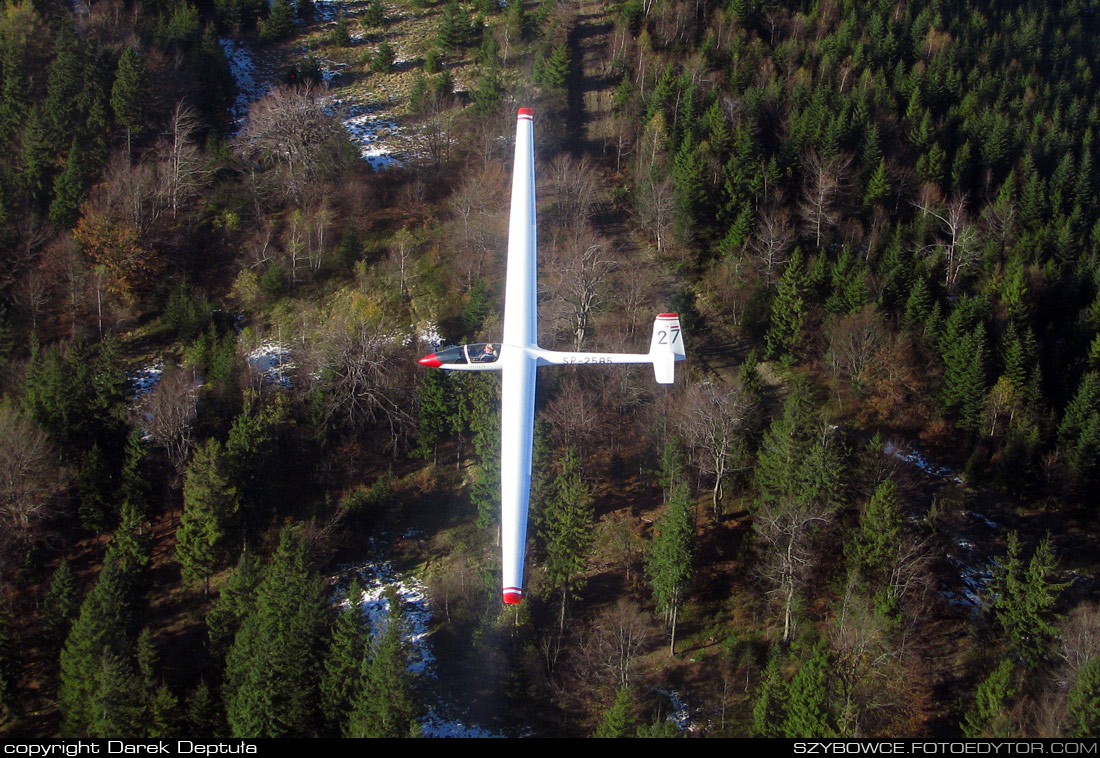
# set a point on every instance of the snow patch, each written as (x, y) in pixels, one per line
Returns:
(145, 379)
(915, 458)
(369, 131)
(377, 579)
(679, 713)
(272, 361)
(243, 67)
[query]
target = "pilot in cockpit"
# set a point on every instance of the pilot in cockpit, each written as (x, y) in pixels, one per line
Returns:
(488, 355)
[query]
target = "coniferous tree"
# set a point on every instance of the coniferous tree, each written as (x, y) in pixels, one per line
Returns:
(204, 712)
(1079, 432)
(233, 605)
(566, 531)
(340, 682)
(209, 502)
(879, 528)
(1023, 599)
(454, 29)
(59, 610)
(436, 406)
(386, 706)
(670, 556)
(807, 707)
(373, 15)
(769, 709)
(485, 424)
(163, 714)
(65, 82)
(100, 630)
(987, 717)
(619, 719)
(117, 707)
(253, 459)
(69, 190)
(784, 337)
(279, 21)
(1083, 702)
(273, 669)
(128, 95)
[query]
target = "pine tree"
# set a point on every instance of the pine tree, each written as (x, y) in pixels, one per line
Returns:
(1083, 702)
(670, 557)
(435, 405)
(783, 450)
(987, 717)
(164, 720)
(279, 21)
(59, 610)
(64, 84)
(373, 15)
(769, 709)
(808, 711)
(343, 663)
(554, 72)
(253, 460)
(566, 531)
(619, 719)
(100, 629)
(204, 712)
(1079, 432)
(454, 30)
(879, 529)
(69, 190)
(385, 706)
(485, 424)
(117, 706)
(878, 187)
(784, 336)
(273, 668)
(233, 605)
(1023, 599)
(209, 502)
(128, 95)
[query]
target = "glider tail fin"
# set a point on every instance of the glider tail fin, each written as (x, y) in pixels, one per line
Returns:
(666, 347)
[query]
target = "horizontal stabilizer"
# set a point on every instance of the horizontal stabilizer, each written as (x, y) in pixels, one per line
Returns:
(666, 347)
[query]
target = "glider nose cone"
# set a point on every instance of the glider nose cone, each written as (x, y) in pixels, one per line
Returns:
(430, 360)
(512, 596)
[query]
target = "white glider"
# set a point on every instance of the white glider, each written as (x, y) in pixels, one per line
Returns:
(519, 354)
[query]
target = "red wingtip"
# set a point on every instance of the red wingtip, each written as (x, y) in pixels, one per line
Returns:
(668, 315)
(525, 112)
(512, 596)
(430, 360)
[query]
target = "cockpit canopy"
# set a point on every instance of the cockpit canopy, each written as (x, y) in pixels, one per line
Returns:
(480, 352)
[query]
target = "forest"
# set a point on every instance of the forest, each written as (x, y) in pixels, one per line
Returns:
(235, 506)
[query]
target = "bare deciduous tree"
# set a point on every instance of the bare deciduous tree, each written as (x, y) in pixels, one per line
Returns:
(29, 479)
(573, 186)
(824, 185)
(371, 381)
(182, 168)
(772, 243)
(784, 531)
(580, 268)
(853, 342)
(655, 203)
(712, 420)
(289, 132)
(623, 632)
(959, 245)
(1079, 638)
(169, 411)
